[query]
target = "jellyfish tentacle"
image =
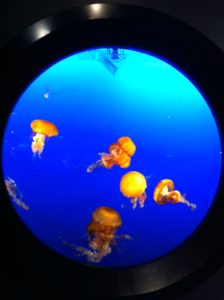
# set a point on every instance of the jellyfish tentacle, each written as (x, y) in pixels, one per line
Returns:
(20, 203)
(188, 203)
(108, 160)
(176, 197)
(134, 202)
(95, 165)
(142, 199)
(193, 206)
(92, 256)
(94, 243)
(38, 143)
(124, 236)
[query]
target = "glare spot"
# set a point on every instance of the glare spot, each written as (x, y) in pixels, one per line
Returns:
(96, 7)
(41, 31)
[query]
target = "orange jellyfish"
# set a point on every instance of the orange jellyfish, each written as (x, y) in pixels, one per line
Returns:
(42, 129)
(102, 229)
(101, 234)
(164, 193)
(119, 154)
(133, 185)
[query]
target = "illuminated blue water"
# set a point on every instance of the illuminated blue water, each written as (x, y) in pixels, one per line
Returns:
(92, 105)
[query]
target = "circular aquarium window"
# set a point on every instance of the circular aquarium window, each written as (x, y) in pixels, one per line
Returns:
(112, 157)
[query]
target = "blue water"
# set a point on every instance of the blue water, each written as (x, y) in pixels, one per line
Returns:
(146, 99)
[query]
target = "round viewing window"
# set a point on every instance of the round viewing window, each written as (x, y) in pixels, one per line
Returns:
(66, 150)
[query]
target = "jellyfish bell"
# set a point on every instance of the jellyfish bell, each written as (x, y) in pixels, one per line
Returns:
(127, 145)
(163, 187)
(165, 193)
(42, 129)
(107, 216)
(133, 185)
(124, 161)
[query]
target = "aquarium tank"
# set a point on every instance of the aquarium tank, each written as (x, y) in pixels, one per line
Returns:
(112, 157)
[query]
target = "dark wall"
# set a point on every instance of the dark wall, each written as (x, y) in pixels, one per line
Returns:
(205, 15)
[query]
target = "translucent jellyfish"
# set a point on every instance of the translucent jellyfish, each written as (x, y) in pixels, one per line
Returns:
(15, 193)
(102, 228)
(119, 154)
(42, 129)
(133, 185)
(101, 234)
(164, 193)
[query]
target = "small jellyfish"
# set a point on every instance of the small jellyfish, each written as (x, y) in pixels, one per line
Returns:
(133, 185)
(120, 155)
(164, 193)
(42, 129)
(101, 234)
(15, 193)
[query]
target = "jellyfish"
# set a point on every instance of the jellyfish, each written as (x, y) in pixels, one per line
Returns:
(15, 193)
(119, 154)
(164, 193)
(42, 129)
(133, 185)
(102, 228)
(101, 234)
